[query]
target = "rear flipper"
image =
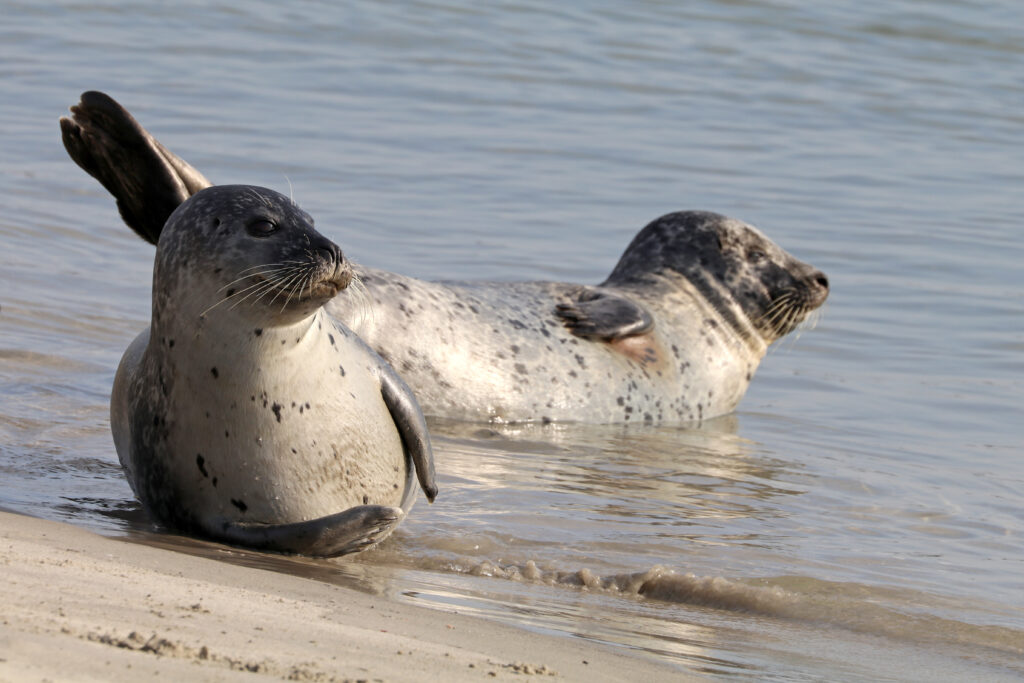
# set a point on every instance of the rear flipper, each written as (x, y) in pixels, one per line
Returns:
(342, 533)
(147, 180)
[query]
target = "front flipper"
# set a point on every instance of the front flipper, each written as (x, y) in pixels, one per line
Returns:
(604, 316)
(147, 180)
(342, 533)
(408, 417)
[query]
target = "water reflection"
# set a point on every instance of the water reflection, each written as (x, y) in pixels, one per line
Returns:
(598, 491)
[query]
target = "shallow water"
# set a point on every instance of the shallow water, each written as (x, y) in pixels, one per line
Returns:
(859, 517)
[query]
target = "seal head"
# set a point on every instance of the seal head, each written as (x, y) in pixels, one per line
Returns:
(731, 263)
(250, 248)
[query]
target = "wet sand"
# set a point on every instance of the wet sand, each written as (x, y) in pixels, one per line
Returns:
(78, 606)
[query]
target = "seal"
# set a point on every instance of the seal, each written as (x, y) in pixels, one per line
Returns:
(673, 335)
(245, 413)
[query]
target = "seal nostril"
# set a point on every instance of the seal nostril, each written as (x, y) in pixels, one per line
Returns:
(822, 280)
(330, 253)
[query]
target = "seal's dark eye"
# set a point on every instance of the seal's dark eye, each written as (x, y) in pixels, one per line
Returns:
(261, 228)
(756, 255)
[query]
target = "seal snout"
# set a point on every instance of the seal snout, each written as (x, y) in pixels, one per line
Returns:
(341, 277)
(807, 293)
(336, 272)
(330, 252)
(817, 289)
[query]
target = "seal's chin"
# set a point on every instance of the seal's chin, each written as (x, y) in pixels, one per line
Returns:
(326, 289)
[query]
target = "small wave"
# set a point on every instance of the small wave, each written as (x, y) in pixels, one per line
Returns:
(829, 603)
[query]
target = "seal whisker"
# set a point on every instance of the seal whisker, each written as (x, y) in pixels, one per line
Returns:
(272, 286)
(813, 318)
(772, 315)
(259, 289)
(232, 296)
(797, 318)
(295, 286)
(263, 265)
(295, 283)
(262, 199)
(307, 282)
(285, 285)
(779, 322)
(777, 309)
(788, 322)
(264, 273)
(779, 301)
(362, 309)
(795, 325)
(810, 321)
(783, 313)
(291, 190)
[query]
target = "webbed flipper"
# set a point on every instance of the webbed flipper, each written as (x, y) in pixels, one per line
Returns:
(147, 180)
(342, 533)
(604, 316)
(412, 427)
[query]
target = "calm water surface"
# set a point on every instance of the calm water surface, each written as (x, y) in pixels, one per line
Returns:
(859, 518)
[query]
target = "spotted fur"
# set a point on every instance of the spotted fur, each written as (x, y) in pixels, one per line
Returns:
(229, 414)
(702, 296)
(675, 334)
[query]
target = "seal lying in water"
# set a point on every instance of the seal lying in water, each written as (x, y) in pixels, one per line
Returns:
(673, 335)
(245, 413)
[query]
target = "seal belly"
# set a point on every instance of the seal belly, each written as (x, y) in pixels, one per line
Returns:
(285, 447)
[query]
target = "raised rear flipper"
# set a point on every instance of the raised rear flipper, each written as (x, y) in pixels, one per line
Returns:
(147, 180)
(346, 532)
(604, 316)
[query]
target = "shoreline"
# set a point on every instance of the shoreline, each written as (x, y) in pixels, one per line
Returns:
(80, 606)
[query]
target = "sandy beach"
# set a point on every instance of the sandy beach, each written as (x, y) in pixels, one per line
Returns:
(81, 607)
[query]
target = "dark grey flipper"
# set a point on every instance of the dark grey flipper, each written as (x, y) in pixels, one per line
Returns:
(345, 532)
(408, 417)
(147, 180)
(604, 316)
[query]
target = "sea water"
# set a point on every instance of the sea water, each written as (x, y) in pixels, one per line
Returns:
(860, 516)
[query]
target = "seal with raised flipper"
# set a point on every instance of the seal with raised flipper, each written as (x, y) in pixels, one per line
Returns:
(673, 335)
(245, 413)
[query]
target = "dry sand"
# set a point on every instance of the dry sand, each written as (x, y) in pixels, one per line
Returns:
(75, 606)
